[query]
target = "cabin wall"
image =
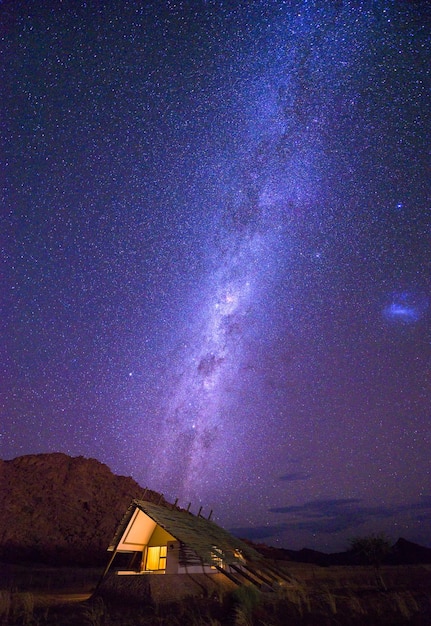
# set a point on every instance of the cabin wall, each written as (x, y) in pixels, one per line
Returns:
(160, 537)
(161, 589)
(137, 534)
(197, 569)
(174, 565)
(172, 561)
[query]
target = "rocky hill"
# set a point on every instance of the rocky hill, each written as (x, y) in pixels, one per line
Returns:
(63, 510)
(59, 509)
(403, 552)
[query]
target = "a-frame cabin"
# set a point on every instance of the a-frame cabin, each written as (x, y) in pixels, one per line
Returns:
(155, 539)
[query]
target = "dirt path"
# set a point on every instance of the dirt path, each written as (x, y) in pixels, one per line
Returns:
(61, 598)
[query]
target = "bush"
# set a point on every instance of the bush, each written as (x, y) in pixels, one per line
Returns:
(245, 599)
(372, 549)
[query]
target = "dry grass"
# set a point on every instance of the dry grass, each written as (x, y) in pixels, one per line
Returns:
(313, 597)
(5, 605)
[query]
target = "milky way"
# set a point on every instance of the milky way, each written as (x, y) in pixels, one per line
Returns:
(216, 255)
(277, 177)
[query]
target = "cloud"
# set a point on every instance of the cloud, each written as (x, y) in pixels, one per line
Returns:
(321, 507)
(259, 532)
(294, 476)
(424, 503)
(332, 516)
(420, 509)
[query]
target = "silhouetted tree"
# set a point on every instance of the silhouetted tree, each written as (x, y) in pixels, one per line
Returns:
(372, 550)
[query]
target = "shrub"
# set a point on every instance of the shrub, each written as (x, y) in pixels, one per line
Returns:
(5, 605)
(245, 599)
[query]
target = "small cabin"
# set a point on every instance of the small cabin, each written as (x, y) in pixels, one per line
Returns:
(155, 539)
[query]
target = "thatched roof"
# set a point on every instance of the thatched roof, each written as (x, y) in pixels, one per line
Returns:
(195, 532)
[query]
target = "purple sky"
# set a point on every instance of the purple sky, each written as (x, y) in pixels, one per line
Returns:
(215, 238)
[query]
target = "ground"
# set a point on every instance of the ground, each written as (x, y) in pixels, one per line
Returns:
(313, 595)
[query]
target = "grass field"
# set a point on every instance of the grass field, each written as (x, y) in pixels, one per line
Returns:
(314, 596)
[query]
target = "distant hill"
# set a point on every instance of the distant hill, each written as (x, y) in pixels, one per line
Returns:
(406, 552)
(403, 552)
(65, 510)
(59, 509)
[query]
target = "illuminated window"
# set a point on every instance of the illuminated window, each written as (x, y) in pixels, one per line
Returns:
(156, 558)
(217, 557)
(238, 555)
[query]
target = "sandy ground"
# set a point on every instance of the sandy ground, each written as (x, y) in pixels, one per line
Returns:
(60, 598)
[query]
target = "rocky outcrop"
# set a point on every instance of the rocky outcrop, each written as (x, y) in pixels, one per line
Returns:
(60, 509)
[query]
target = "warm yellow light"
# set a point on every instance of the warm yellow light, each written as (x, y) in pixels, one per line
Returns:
(156, 558)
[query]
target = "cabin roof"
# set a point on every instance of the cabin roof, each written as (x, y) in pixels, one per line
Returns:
(196, 532)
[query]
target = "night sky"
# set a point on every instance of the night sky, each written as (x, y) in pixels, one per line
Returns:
(216, 246)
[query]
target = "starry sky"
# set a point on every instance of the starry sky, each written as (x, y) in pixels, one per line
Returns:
(215, 237)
